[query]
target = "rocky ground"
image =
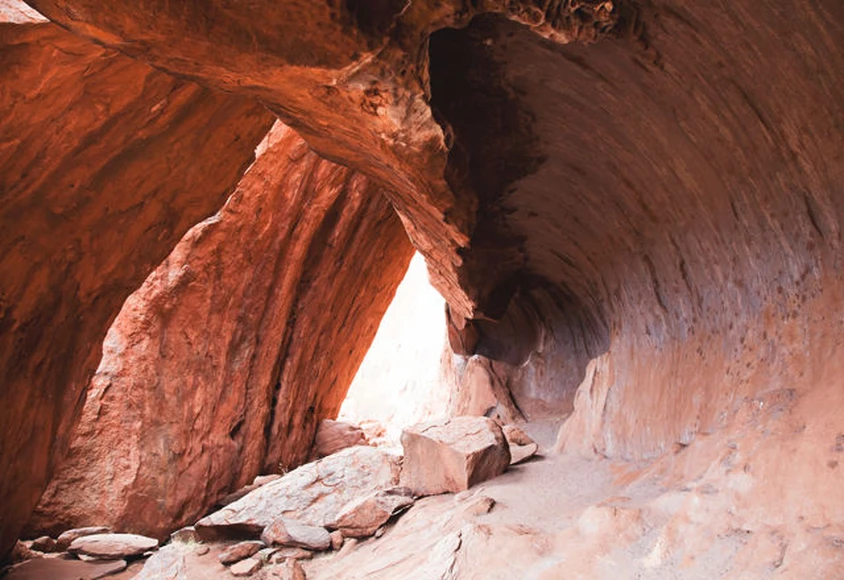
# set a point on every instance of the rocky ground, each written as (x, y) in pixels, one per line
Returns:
(365, 513)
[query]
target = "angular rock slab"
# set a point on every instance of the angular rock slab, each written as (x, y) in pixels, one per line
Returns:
(452, 455)
(293, 534)
(239, 551)
(112, 546)
(246, 567)
(362, 517)
(66, 538)
(521, 445)
(313, 494)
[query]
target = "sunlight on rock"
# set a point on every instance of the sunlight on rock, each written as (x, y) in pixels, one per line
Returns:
(399, 382)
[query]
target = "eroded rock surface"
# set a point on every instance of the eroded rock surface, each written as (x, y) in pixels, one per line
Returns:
(104, 164)
(313, 494)
(222, 365)
(452, 455)
(658, 210)
(362, 516)
(112, 546)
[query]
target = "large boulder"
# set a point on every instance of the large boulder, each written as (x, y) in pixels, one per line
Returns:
(213, 354)
(452, 455)
(313, 494)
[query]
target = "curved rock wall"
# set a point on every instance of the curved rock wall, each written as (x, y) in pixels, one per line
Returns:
(684, 210)
(663, 199)
(104, 164)
(223, 363)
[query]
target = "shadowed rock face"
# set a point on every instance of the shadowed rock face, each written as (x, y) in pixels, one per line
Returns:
(663, 199)
(104, 164)
(222, 364)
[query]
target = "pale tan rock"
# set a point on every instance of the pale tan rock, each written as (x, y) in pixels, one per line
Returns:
(333, 436)
(362, 517)
(66, 538)
(521, 445)
(348, 546)
(265, 479)
(168, 563)
(479, 506)
(294, 534)
(452, 455)
(516, 436)
(246, 567)
(185, 535)
(312, 494)
(239, 551)
(112, 546)
(337, 540)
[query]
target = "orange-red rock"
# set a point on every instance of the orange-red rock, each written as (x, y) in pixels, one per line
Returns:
(225, 361)
(104, 164)
(664, 202)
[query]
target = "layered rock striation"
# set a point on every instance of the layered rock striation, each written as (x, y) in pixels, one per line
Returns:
(645, 194)
(222, 365)
(104, 164)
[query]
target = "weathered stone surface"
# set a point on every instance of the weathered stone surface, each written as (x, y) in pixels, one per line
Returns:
(264, 479)
(58, 569)
(246, 567)
(112, 546)
(105, 163)
(361, 517)
(66, 538)
(295, 534)
(521, 445)
(240, 551)
(303, 253)
(313, 494)
(664, 202)
(288, 570)
(337, 540)
(185, 535)
(452, 455)
(168, 563)
(333, 436)
(44, 544)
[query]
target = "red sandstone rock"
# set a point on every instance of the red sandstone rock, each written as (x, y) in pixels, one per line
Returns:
(240, 551)
(208, 375)
(333, 436)
(452, 455)
(361, 517)
(664, 201)
(104, 164)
